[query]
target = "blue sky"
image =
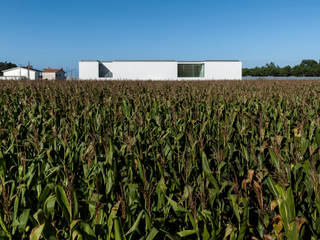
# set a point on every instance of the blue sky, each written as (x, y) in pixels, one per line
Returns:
(60, 33)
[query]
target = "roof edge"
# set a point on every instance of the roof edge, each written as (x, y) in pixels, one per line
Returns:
(10, 69)
(161, 61)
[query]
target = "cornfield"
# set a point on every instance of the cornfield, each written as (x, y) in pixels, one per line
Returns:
(160, 160)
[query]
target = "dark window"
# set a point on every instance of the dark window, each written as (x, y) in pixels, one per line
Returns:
(191, 70)
(104, 72)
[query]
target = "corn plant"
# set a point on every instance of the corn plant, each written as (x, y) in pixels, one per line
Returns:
(160, 160)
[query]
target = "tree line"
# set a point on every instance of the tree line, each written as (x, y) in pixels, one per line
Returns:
(307, 68)
(6, 65)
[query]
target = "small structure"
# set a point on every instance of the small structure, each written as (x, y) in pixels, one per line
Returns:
(53, 74)
(20, 73)
(160, 70)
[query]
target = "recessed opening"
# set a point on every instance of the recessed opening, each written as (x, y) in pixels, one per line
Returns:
(104, 72)
(191, 70)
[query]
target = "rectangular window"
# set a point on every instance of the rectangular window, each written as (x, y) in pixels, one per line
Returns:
(190, 70)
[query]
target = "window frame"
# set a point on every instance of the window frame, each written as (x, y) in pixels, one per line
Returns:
(202, 69)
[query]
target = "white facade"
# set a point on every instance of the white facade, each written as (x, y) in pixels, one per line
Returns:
(223, 70)
(89, 70)
(12, 78)
(21, 73)
(160, 70)
(53, 75)
(49, 75)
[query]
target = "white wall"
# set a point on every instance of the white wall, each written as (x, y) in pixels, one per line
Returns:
(158, 70)
(144, 70)
(88, 70)
(17, 72)
(53, 75)
(49, 75)
(12, 78)
(223, 70)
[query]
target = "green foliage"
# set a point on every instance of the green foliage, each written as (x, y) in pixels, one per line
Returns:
(160, 160)
(307, 68)
(6, 65)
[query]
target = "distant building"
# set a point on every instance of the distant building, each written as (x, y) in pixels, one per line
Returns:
(20, 73)
(53, 74)
(160, 70)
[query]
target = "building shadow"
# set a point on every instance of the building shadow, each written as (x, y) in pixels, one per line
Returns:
(104, 72)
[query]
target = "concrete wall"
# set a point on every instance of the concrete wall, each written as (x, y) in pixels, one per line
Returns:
(146, 70)
(89, 70)
(156, 70)
(17, 72)
(223, 70)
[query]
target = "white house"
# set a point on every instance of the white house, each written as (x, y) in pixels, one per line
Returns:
(53, 74)
(160, 70)
(19, 73)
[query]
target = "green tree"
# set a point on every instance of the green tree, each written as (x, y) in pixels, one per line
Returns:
(307, 67)
(285, 71)
(6, 65)
(309, 63)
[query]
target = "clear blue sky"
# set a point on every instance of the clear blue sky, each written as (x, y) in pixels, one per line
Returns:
(60, 33)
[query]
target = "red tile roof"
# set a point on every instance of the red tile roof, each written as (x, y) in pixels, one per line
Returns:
(52, 70)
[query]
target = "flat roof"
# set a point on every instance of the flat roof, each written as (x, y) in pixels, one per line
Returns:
(161, 61)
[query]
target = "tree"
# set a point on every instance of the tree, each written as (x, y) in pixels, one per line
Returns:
(6, 65)
(307, 67)
(285, 71)
(308, 63)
